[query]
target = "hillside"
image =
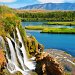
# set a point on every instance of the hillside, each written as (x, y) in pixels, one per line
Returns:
(51, 6)
(17, 48)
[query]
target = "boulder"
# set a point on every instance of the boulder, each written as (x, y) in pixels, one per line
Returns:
(47, 65)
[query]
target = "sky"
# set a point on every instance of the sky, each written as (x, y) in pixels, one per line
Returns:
(21, 3)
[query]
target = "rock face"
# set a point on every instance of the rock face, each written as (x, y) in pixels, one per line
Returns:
(47, 65)
(33, 45)
(2, 60)
(66, 60)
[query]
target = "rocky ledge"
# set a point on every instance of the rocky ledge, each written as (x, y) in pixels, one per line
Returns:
(47, 65)
(66, 60)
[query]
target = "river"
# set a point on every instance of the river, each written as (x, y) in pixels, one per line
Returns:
(64, 42)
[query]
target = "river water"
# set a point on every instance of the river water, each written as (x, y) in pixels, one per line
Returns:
(64, 42)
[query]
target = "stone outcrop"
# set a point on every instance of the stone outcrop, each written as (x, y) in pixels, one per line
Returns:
(46, 65)
(2, 60)
(33, 45)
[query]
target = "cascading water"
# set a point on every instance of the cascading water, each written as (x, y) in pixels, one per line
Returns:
(12, 65)
(12, 51)
(29, 64)
(13, 54)
(18, 60)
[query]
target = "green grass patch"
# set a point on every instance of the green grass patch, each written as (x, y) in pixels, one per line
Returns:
(35, 27)
(52, 30)
(59, 30)
(61, 23)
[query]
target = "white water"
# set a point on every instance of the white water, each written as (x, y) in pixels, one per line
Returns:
(4, 46)
(29, 64)
(18, 55)
(13, 68)
(12, 65)
(13, 54)
(12, 51)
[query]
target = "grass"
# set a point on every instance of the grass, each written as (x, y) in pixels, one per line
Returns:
(59, 30)
(35, 27)
(52, 30)
(61, 23)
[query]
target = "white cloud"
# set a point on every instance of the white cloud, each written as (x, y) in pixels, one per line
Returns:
(51, 1)
(7, 0)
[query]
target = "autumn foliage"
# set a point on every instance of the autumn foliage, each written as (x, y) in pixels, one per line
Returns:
(8, 20)
(2, 59)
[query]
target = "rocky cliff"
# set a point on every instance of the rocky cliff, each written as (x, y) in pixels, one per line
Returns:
(47, 65)
(34, 46)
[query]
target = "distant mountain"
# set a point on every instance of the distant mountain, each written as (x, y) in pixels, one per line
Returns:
(51, 6)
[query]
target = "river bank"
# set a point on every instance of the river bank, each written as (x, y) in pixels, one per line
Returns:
(72, 23)
(52, 30)
(67, 61)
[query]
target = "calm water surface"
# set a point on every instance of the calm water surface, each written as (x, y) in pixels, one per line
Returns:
(64, 42)
(41, 23)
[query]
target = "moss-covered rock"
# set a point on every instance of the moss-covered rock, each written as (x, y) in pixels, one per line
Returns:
(33, 45)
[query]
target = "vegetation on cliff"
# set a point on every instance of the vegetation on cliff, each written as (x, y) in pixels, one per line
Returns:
(34, 46)
(8, 20)
(8, 23)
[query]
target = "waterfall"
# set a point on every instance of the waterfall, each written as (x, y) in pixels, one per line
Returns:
(13, 54)
(12, 65)
(29, 64)
(12, 51)
(18, 60)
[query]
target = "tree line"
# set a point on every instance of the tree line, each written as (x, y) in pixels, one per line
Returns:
(47, 16)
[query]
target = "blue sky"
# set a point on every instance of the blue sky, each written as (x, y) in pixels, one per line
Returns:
(21, 3)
